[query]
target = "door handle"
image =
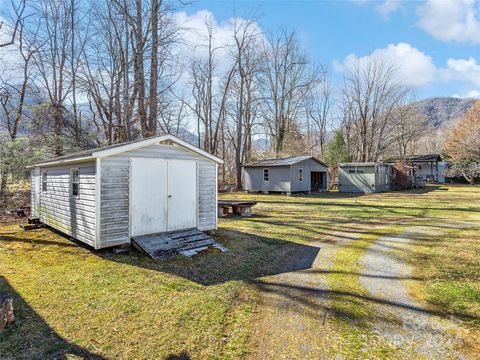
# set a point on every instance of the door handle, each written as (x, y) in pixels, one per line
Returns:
(169, 196)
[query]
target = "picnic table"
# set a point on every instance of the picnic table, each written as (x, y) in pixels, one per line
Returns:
(239, 207)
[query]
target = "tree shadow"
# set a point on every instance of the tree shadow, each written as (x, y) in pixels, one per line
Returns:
(304, 294)
(363, 206)
(181, 356)
(8, 238)
(249, 257)
(29, 336)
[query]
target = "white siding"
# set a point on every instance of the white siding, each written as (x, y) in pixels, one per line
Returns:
(74, 216)
(207, 199)
(32, 193)
(114, 182)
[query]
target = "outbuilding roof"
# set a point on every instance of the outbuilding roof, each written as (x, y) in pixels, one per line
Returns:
(371, 163)
(282, 161)
(119, 148)
(424, 158)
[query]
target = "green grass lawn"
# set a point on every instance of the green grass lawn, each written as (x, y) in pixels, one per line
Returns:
(72, 300)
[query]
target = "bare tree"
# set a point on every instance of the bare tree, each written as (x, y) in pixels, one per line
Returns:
(130, 81)
(18, 11)
(55, 32)
(245, 35)
(13, 92)
(209, 96)
(408, 126)
(371, 92)
(317, 108)
(286, 81)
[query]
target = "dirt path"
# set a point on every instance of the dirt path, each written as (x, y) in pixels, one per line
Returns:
(290, 319)
(294, 304)
(413, 329)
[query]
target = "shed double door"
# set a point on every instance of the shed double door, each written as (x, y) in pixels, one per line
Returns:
(163, 195)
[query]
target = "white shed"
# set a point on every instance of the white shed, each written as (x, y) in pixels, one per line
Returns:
(104, 197)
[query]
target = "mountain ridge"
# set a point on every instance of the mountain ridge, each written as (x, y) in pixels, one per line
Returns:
(441, 111)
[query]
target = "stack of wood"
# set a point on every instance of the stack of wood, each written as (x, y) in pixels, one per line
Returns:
(6, 311)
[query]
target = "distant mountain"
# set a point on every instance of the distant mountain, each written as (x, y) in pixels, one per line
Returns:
(188, 136)
(260, 144)
(444, 110)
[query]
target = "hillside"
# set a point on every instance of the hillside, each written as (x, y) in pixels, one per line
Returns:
(443, 110)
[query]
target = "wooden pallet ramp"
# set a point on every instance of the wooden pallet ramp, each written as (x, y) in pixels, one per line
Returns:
(185, 242)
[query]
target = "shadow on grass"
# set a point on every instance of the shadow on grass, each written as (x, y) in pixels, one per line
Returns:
(395, 193)
(362, 206)
(181, 356)
(303, 295)
(8, 238)
(249, 257)
(30, 337)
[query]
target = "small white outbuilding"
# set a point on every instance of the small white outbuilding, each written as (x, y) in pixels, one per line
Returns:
(104, 197)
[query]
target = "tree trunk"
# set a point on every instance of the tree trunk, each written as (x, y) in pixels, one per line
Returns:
(6, 311)
(238, 150)
(140, 79)
(153, 103)
(3, 182)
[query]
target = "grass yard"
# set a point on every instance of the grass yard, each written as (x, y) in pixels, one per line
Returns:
(95, 304)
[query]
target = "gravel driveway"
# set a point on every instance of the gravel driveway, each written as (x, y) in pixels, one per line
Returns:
(289, 325)
(294, 303)
(412, 329)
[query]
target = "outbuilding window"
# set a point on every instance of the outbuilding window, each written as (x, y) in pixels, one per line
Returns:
(300, 174)
(351, 169)
(266, 175)
(360, 169)
(75, 182)
(44, 181)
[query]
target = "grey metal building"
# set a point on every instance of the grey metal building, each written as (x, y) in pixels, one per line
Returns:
(286, 175)
(367, 177)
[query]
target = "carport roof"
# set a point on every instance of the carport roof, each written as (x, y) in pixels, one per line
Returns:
(282, 161)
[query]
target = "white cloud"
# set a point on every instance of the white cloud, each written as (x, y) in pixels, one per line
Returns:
(415, 67)
(462, 69)
(195, 36)
(472, 94)
(456, 20)
(388, 7)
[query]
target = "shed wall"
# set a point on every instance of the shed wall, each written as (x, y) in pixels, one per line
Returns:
(74, 216)
(356, 182)
(115, 184)
(33, 194)
(279, 179)
(308, 166)
(383, 178)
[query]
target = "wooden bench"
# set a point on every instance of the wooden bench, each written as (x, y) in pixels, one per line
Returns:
(239, 207)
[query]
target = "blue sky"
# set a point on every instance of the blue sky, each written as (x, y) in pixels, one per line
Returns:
(436, 42)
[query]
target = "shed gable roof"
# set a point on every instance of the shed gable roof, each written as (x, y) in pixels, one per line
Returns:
(282, 161)
(120, 148)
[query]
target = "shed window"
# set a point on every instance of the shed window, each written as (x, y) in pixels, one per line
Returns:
(300, 174)
(266, 175)
(44, 181)
(360, 169)
(75, 182)
(351, 169)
